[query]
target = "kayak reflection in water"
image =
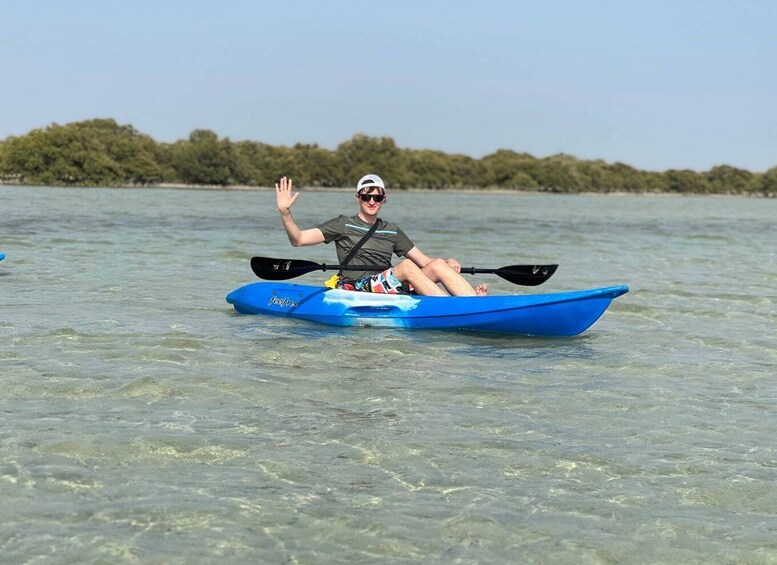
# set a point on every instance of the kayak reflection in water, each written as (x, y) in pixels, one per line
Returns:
(375, 241)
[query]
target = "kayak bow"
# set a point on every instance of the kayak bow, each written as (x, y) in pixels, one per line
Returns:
(556, 314)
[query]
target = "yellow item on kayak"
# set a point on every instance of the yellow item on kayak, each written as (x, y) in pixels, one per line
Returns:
(332, 281)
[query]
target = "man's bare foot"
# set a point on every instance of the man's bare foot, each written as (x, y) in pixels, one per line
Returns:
(481, 290)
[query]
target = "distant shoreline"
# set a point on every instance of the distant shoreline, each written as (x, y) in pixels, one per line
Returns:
(101, 152)
(494, 190)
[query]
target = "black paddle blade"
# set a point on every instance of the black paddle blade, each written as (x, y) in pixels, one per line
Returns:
(282, 269)
(526, 275)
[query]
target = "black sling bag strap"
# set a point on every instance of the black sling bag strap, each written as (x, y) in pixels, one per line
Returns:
(361, 242)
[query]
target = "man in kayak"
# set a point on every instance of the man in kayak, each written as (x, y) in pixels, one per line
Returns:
(417, 271)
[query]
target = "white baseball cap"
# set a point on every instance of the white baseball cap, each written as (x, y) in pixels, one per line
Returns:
(368, 181)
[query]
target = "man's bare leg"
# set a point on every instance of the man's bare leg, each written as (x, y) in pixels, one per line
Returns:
(424, 281)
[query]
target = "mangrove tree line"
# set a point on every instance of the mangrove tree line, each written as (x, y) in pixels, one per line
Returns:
(101, 152)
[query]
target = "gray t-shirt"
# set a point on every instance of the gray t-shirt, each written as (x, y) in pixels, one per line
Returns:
(346, 231)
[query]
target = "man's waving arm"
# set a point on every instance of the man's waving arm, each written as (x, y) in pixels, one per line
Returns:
(285, 198)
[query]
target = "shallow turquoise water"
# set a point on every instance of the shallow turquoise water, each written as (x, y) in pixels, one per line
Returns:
(143, 421)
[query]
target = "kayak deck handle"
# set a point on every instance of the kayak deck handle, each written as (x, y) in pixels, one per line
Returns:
(381, 310)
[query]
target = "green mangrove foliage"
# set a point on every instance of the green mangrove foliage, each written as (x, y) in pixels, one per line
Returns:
(101, 152)
(96, 152)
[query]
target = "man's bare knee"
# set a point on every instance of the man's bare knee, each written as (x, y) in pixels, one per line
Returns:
(405, 270)
(437, 269)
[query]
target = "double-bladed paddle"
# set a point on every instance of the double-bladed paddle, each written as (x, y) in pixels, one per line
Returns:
(284, 269)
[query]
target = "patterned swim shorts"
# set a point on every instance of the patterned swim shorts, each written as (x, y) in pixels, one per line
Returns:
(383, 283)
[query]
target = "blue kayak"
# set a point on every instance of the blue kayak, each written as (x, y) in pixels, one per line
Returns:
(2, 256)
(557, 314)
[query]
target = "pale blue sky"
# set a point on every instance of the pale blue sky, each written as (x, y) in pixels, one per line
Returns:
(656, 85)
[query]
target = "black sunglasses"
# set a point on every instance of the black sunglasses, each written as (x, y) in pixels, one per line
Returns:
(377, 197)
